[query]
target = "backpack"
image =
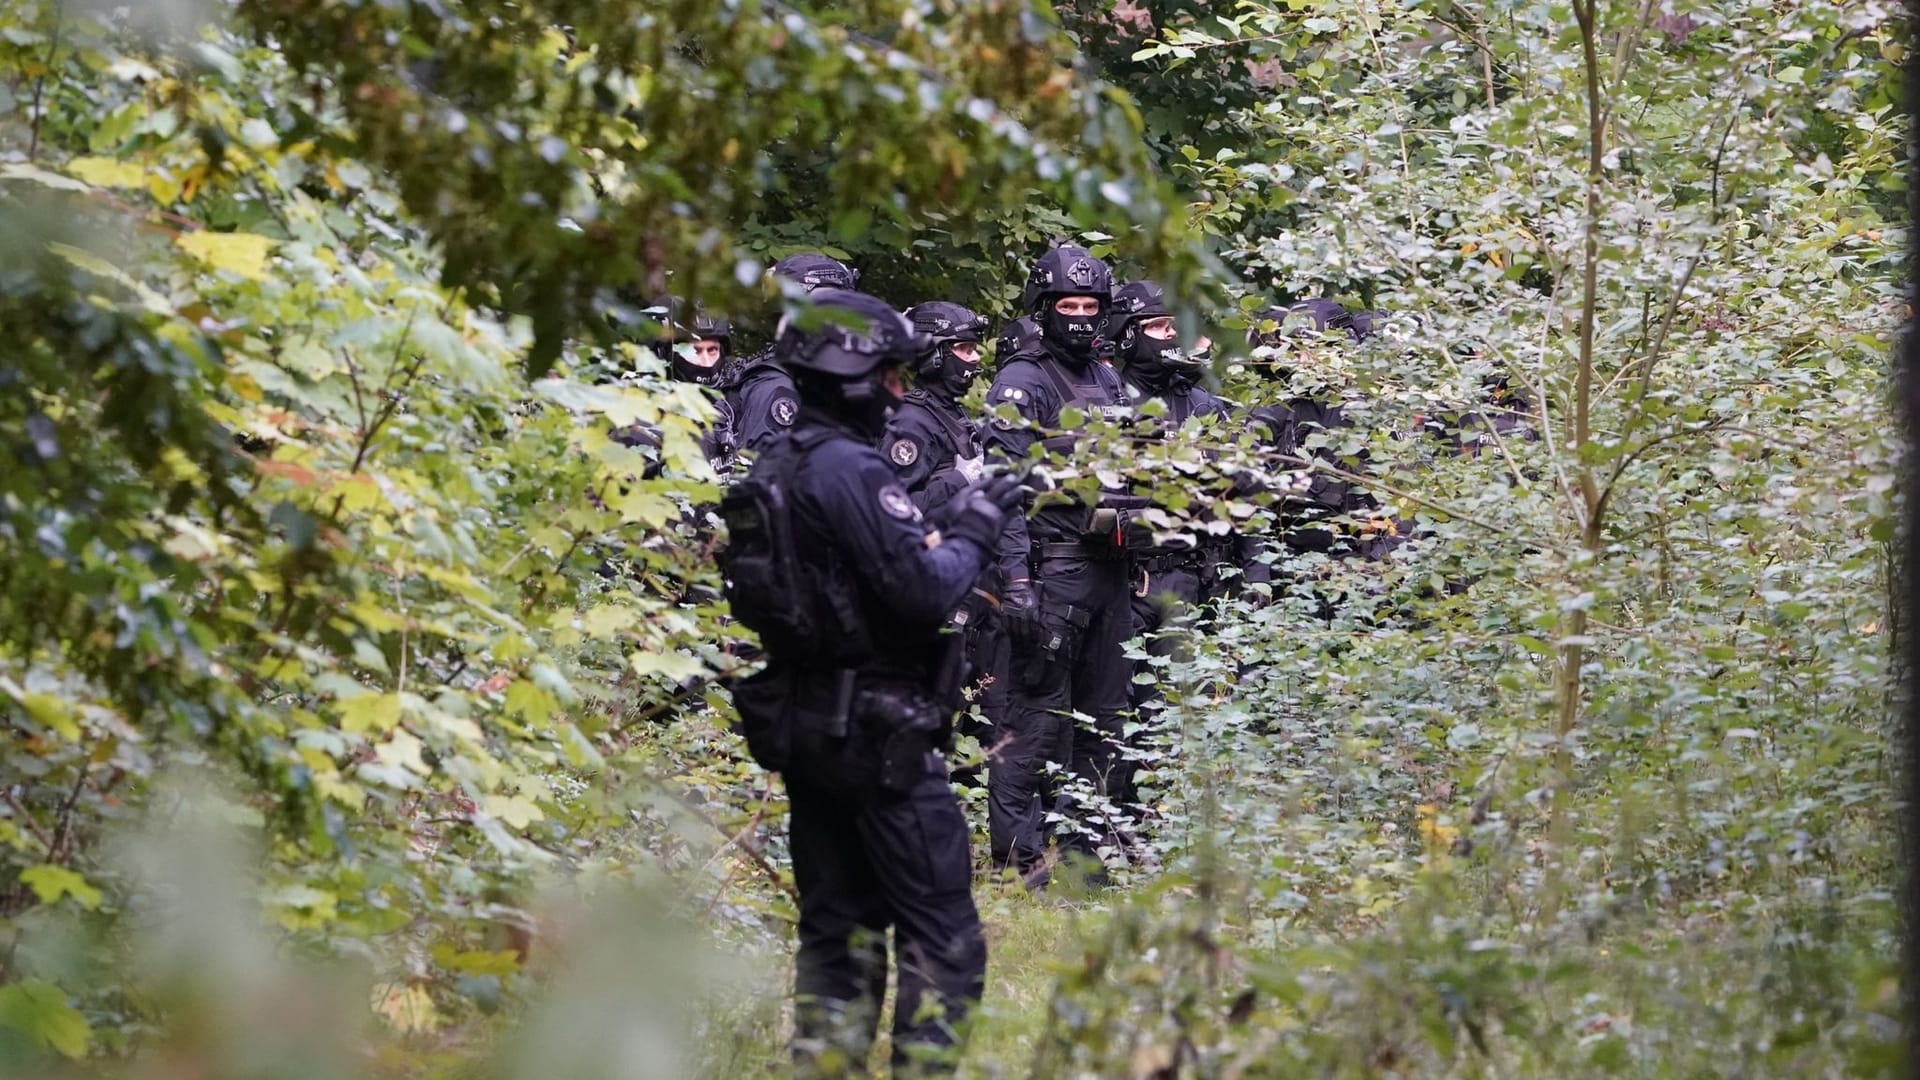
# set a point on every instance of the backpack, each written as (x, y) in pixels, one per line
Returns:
(797, 607)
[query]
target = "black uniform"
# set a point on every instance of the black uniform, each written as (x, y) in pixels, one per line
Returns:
(865, 860)
(1074, 659)
(1178, 574)
(760, 402)
(936, 449)
(855, 698)
(1313, 426)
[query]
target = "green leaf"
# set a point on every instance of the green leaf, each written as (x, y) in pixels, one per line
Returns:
(50, 883)
(40, 1011)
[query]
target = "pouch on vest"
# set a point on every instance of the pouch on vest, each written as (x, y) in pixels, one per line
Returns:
(764, 701)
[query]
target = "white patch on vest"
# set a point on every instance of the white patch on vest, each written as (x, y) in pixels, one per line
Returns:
(1013, 393)
(894, 500)
(971, 467)
(904, 452)
(784, 410)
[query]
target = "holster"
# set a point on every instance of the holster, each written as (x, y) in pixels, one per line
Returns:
(1057, 645)
(908, 724)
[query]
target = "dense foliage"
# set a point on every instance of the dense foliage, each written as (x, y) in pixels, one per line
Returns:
(344, 659)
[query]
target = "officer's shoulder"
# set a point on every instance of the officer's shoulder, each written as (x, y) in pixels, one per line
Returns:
(1018, 379)
(914, 413)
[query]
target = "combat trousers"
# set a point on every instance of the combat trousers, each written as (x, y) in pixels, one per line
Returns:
(861, 866)
(1169, 594)
(987, 659)
(1083, 602)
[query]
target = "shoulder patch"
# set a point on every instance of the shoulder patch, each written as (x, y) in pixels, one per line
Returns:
(784, 410)
(904, 452)
(1012, 393)
(896, 504)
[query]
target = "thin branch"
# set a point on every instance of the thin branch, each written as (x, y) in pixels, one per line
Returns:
(40, 84)
(747, 846)
(25, 818)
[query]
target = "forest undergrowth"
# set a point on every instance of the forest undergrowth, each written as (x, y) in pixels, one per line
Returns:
(362, 696)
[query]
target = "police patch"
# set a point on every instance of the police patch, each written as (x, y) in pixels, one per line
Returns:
(894, 500)
(904, 452)
(784, 410)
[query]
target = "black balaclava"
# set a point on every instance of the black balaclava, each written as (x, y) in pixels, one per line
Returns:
(1069, 271)
(942, 325)
(1155, 363)
(705, 328)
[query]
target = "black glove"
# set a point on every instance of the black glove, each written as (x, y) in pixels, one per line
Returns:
(978, 512)
(1019, 610)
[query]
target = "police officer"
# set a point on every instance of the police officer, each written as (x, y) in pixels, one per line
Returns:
(760, 394)
(936, 448)
(1327, 515)
(701, 360)
(931, 440)
(1066, 602)
(852, 704)
(1018, 338)
(1180, 572)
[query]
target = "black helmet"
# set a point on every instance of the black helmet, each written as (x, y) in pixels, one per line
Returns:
(1154, 361)
(712, 327)
(1136, 301)
(1067, 270)
(1316, 315)
(1022, 335)
(812, 270)
(845, 334)
(941, 325)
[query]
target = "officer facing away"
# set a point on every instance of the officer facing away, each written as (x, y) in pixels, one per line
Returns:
(1066, 602)
(849, 584)
(760, 395)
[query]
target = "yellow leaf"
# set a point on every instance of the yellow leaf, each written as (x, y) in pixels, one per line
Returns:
(40, 176)
(606, 620)
(106, 172)
(402, 751)
(351, 796)
(408, 1008)
(367, 713)
(516, 811)
(1438, 837)
(244, 254)
(163, 188)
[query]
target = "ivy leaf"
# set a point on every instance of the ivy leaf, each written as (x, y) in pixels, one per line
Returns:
(242, 254)
(50, 883)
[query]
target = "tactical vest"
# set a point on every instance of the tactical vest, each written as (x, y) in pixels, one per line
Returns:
(961, 451)
(1094, 390)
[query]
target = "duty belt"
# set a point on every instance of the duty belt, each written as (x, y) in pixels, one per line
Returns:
(1078, 550)
(1161, 562)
